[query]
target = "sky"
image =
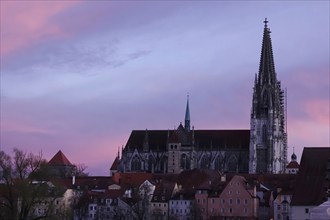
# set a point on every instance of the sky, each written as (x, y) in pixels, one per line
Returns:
(79, 76)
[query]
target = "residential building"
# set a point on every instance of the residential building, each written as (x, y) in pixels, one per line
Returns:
(239, 199)
(182, 206)
(159, 206)
(312, 182)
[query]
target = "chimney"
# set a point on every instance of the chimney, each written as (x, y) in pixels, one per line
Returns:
(223, 178)
(73, 180)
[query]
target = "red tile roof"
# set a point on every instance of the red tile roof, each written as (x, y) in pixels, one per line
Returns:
(133, 179)
(115, 164)
(59, 159)
(292, 165)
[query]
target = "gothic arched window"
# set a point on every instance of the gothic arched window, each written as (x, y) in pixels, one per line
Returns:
(163, 164)
(135, 164)
(151, 163)
(232, 164)
(218, 163)
(265, 98)
(185, 162)
(204, 162)
(264, 133)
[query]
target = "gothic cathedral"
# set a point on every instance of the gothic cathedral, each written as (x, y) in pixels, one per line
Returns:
(262, 149)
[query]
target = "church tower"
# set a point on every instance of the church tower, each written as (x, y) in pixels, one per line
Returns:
(268, 137)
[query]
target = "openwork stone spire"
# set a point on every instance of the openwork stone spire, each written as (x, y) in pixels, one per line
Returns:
(267, 73)
(187, 117)
(268, 138)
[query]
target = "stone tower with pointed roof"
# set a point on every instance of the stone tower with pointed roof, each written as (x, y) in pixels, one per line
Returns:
(268, 138)
(60, 165)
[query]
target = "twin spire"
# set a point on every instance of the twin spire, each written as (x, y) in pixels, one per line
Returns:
(267, 73)
(187, 117)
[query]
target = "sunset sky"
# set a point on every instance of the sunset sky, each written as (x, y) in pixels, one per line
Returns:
(79, 76)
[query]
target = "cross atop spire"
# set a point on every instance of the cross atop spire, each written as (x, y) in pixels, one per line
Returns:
(187, 117)
(265, 21)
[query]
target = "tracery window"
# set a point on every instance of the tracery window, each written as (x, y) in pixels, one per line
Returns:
(185, 162)
(218, 163)
(204, 162)
(232, 164)
(135, 164)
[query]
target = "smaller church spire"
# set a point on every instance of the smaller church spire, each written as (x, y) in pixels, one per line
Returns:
(187, 117)
(293, 156)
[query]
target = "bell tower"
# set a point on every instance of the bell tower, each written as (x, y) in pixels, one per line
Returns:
(268, 137)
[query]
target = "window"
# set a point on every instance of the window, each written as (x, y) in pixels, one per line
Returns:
(278, 207)
(185, 162)
(245, 210)
(218, 163)
(238, 201)
(230, 201)
(306, 210)
(246, 201)
(136, 164)
(285, 207)
(212, 201)
(232, 164)
(230, 210)
(204, 162)
(223, 201)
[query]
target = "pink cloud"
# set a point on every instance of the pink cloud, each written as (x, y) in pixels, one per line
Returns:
(318, 111)
(25, 23)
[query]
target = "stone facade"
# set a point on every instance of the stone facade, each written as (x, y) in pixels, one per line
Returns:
(268, 138)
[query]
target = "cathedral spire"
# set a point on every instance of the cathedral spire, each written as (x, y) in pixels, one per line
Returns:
(268, 138)
(267, 73)
(187, 117)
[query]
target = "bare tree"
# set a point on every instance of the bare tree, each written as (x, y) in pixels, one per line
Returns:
(79, 170)
(25, 184)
